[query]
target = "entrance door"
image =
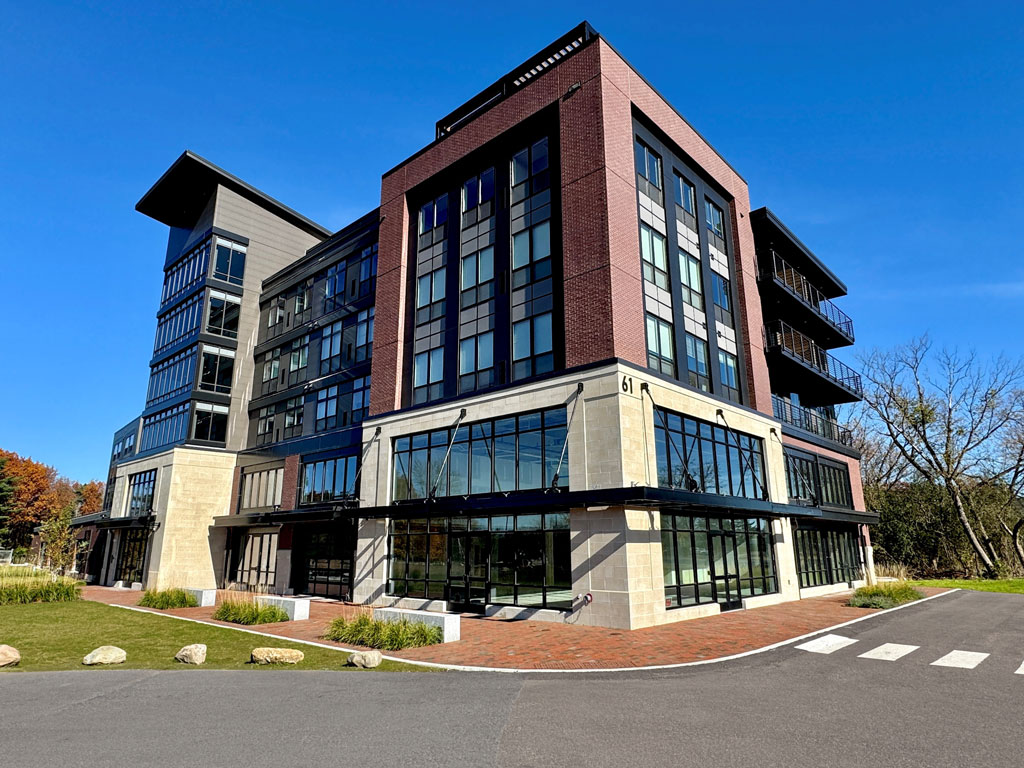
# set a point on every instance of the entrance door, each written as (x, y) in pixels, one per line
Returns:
(725, 569)
(325, 556)
(467, 571)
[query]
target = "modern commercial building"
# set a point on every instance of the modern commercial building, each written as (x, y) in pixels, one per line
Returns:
(562, 372)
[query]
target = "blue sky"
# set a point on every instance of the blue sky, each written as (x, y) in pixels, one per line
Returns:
(887, 136)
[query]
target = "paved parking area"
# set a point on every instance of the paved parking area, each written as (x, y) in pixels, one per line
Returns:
(544, 645)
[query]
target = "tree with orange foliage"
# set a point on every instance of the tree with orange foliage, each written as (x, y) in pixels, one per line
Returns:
(90, 496)
(32, 501)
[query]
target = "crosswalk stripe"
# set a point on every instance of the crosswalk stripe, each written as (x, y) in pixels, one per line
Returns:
(826, 644)
(889, 652)
(961, 659)
(1020, 669)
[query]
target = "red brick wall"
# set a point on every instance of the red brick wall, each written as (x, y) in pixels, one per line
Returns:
(856, 483)
(624, 87)
(290, 483)
(603, 287)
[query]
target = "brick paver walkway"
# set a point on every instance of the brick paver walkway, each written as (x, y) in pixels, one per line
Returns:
(549, 645)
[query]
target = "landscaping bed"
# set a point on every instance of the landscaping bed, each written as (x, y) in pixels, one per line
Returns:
(56, 636)
(884, 595)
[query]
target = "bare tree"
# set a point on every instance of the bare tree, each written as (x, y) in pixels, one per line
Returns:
(954, 421)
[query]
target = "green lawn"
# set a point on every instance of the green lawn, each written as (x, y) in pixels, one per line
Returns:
(55, 636)
(1016, 586)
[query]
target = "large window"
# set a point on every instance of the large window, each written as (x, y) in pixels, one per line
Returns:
(693, 285)
(329, 480)
(654, 256)
(514, 453)
(532, 264)
(430, 302)
(141, 487)
(722, 299)
(342, 404)
(695, 455)
(697, 363)
(180, 323)
(648, 171)
(709, 559)
(729, 375)
(172, 376)
(229, 264)
(477, 284)
(293, 410)
(257, 562)
(522, 560)
(262, 488)
(661, 354)
(218, 369)
(828, 555)
(224, 311)
(164, 428)
(715, 219)
(817, 481)
(686, 202)
(210, 423)
(185, 273)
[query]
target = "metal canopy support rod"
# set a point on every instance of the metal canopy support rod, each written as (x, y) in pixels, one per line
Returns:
(455, 432)
(565, 443)
(691, 482)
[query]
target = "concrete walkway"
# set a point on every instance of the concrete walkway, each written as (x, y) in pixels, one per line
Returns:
(538, 645)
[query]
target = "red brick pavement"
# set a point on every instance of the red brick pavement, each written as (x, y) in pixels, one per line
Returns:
(550, 645)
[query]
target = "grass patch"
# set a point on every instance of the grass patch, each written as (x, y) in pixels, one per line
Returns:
(167, 598)
(56, 636)
(886, 595)
(248, 612)
(385, 635)
(1012, 586)
(20, 586)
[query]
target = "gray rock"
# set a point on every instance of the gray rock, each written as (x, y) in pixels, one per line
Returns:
(276, 656)
(191, 654)
(365, 659)
(9, 657)
(106, 654)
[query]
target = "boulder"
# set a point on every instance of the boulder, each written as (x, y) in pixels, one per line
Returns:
(191, 654)
(106, 654)
(276, 656)
(365, 659)
(9, 657)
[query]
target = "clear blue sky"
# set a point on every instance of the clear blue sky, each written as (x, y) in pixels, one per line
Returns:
(888, 136)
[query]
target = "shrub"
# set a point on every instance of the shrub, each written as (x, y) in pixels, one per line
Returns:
(167, 598)
(385, 635)
(20, 586)
(247, 611)
(884, 595)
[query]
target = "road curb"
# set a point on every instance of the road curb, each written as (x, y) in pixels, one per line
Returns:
(519, 671)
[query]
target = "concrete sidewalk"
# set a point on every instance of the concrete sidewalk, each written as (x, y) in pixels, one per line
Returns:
(539, 645)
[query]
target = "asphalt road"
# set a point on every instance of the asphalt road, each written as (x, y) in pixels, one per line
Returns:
(786, 707)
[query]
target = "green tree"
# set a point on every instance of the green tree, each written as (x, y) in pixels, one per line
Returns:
(6, 500)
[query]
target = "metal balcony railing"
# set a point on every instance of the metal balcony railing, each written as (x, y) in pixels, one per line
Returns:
(800, 287)
(780, 336)
(810, 421)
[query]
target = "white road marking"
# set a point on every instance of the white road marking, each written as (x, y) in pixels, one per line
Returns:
(889, 652)
(826, 644)
(1020, 669)
(961, 659)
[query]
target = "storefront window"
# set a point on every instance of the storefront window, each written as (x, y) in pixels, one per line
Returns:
(519, 560)
(709, 560)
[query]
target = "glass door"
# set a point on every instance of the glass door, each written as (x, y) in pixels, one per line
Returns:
(467, 571)
(725, 569)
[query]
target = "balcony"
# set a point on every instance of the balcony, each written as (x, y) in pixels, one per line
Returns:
(795, 355)
(798, 287)
(810, 421)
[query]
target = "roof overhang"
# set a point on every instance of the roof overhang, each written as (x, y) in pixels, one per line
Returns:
(766, 223)
(179, 197)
